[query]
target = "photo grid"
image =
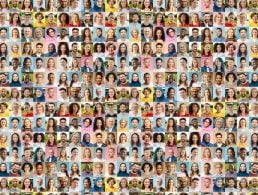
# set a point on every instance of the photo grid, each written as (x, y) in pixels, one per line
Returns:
(118, 97)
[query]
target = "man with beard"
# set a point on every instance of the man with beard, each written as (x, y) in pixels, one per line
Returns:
(254, 186)
(87, 20)
(123, 82)
(194, 50)
(207, 22)
(242, 80)
(99, 36)
(15, 186)
(134, 7)
(75, 51)
(183, 37)
(63, 184)
(183, 6)
(134, 188)
(3, 80)
(15, 170)
(63, 6)
(75, 37)
(194, 125)
(3, 94)
(194, 96)
(63, 140)
(219, 36)
(135, 170)
(74, 94)
(242, 155)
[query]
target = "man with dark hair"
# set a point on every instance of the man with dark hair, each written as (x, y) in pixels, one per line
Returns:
(75, 36)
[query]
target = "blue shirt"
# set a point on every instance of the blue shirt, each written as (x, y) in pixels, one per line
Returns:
(221, 39)
(100, 39)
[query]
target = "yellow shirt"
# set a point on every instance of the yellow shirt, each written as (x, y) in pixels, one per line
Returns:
(36, 24)
(252, 24)
(242, 144)
(220, 114)
(109, 9)
(108, 189)
(150, 99)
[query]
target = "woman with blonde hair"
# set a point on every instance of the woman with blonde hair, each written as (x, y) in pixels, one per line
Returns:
(62, 155)
(75, 20)
(111, 34)
(147, 125)
(207, 80)
(111, 139)
(171, 65)
(231, 139)
(195, 65)
(183, 110)
(183, 155)
(27, 49)
(146, 49)
(206, 155)
(51, 65)
(63, 110)
(86, 155)
(15, 34)
(195, 20)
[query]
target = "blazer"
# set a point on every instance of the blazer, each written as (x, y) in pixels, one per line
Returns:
(206, 69)
(54, 159)
(171, 159)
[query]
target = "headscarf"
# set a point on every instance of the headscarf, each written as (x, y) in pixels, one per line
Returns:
(41, 98)
(216, 188)
(53, 53)
(84, 143)
(162, 97)
(96, 188)
(204, 142)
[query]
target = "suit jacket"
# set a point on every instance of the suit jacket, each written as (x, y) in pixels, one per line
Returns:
(23, 39)
(96, 99)
(171, 159)
(53, 159)
(216, 145)
(154, 55)
(88, 69)
(233, 129)
(205, 69)
(144, 39)
(113, 129)
(55, 114)
(35, 55)
(209, 24)
(102, 145)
